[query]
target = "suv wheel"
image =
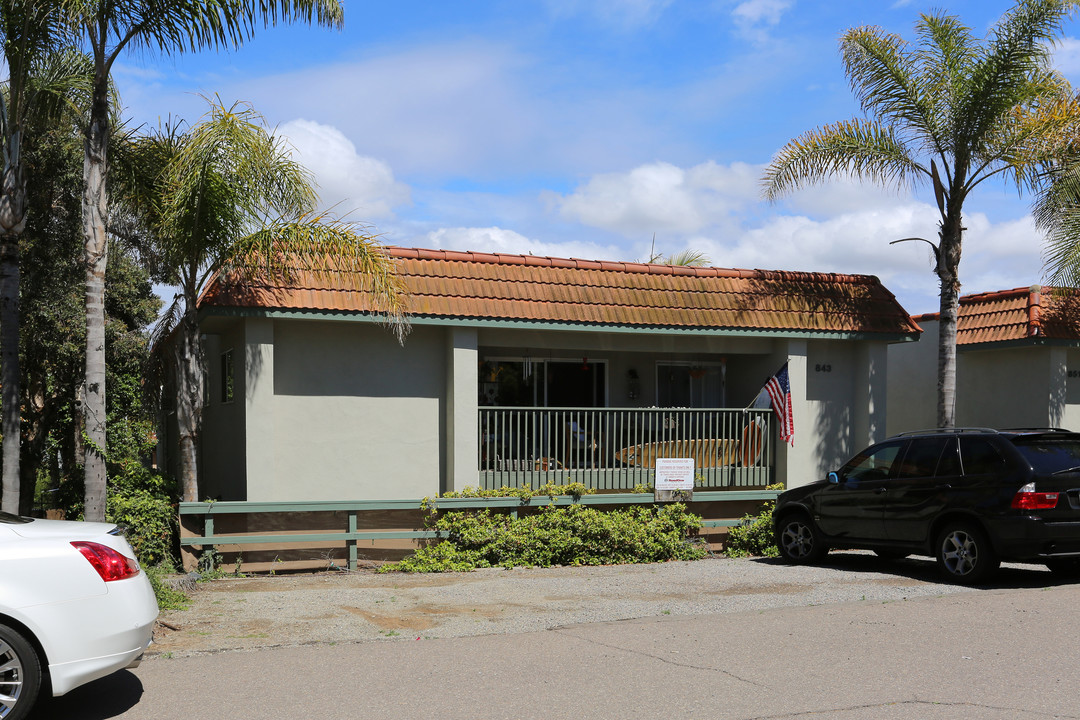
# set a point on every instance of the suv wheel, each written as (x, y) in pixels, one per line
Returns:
(798, 541)
(964, 553)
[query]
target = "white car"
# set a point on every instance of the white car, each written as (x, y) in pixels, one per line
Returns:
(74, 607)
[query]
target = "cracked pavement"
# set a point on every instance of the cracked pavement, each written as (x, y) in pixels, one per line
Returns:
(1006, 652)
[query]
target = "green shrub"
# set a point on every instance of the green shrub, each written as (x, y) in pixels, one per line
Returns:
(755, 535)
(168, 598)
(147, 513)
(572, 535)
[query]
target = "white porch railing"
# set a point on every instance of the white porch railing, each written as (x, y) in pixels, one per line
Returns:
(616, 448)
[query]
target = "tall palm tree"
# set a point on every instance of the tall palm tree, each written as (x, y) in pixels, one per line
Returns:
(110, 27)
(950, 110)
(227, 198)
(42, 69)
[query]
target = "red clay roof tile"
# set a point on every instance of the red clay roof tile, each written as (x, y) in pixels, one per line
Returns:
(453, 284)
(1017, 314)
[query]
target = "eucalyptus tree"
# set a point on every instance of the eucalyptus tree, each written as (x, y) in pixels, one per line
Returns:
(226, 198)
(950, 110)
(43, 71)
(110, 27)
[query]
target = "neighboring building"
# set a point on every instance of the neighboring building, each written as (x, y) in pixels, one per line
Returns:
(1018, 364)
(310, 399)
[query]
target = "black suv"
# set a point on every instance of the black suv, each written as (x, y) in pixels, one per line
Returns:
(971, 497)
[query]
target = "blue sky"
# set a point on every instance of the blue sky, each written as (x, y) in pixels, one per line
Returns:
(582, 128)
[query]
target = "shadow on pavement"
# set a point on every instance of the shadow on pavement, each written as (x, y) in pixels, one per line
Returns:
(108, 697)
(924, 569)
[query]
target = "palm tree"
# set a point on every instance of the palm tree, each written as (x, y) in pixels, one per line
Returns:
(226, 198)
(110, 27)
(1057, 213)
(41, 71)
(952, 111)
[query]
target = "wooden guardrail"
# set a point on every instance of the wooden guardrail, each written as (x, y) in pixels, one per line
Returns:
(351, 533)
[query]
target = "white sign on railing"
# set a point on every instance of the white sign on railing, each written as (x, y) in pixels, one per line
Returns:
(674, 479)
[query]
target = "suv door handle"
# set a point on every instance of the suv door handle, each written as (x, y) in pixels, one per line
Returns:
(880, 490)
(943, 486)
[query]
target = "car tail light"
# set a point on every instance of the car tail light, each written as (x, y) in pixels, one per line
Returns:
(1027, 499)
(110, 564)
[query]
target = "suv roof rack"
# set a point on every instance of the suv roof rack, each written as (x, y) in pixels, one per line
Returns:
(955, 430)
(1036, 429)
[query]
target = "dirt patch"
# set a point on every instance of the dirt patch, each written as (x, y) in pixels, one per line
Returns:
(363, 606)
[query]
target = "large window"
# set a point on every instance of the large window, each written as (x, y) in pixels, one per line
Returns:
(690, 385)
(530, 382)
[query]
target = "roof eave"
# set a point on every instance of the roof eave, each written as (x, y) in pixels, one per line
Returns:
(516, 324)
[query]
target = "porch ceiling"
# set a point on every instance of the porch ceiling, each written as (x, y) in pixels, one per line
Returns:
(556, 291)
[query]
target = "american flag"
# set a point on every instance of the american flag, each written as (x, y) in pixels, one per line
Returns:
(778, 391)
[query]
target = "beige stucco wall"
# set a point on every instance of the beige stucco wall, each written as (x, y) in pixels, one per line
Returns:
(912, 383)
(997, 387)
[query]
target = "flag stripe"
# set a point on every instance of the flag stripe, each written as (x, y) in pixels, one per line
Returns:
(779, 390)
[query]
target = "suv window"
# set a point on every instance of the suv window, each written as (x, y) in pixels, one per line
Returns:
(874, 463)
(980, 457)
(921, 459)
(1048, 456)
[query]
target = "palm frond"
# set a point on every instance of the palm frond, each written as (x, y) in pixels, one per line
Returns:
(687, 258)
(884, 76)
(1018, 52)
(858, 148)
(330, 250)
(1028, 141)
(946, 52)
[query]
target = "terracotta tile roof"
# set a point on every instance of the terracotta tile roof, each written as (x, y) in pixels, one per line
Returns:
(470, 285)
(1017, 314)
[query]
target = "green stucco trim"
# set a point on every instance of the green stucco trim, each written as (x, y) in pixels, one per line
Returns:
(347, 316)
(1021, 343)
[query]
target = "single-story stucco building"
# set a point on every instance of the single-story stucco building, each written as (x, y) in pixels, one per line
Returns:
(523, 370)
(1017, 365)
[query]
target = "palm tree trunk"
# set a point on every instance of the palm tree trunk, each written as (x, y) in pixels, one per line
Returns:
(95, 255)
(949, 305)
(9, 371)
(190, 393)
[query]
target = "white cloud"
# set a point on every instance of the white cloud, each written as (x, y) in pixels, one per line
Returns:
(500, 240)
(661, 197)
(843, 226)
(755, 17)
(358, 187)
(624, 14)
(1067, 56)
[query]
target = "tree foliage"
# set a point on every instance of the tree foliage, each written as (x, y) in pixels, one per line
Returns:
(951, 111)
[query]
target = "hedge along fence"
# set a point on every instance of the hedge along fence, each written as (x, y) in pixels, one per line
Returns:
(318, 535)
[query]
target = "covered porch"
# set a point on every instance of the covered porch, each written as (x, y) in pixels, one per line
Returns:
(615, 449)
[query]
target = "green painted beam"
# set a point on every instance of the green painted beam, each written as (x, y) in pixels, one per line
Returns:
(308, 537)
(241, 506)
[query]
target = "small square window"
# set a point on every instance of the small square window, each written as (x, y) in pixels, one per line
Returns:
(227, 376)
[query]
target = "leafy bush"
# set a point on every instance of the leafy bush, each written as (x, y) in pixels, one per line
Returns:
(755, 535)
(168, 598)
(141, 501)
(575, 490)
(572, 535)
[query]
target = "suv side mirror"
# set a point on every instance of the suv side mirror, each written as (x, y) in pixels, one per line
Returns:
(834, 478)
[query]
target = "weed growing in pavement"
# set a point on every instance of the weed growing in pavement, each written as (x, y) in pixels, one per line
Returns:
(168, 597)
